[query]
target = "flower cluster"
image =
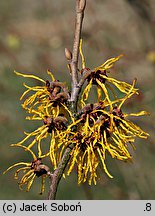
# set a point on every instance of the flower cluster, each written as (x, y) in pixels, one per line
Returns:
(96, 130)
(30, 170)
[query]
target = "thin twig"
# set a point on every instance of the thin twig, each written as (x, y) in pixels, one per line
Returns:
(80, 6)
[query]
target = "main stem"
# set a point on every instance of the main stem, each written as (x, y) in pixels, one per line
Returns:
(57, 175)
(80, 6)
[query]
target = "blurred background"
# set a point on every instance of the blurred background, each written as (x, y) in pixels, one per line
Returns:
(33, 36)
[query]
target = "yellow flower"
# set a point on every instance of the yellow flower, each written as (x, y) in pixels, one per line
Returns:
(53, 128)
(102, 128)
(30, 170)
(44, 99)
(48, 104)
(101, 133)
(105, 84)
(98, 129)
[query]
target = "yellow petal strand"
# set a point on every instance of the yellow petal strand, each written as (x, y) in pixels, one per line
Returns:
(87, 166)
(102, 85)
(35, 88)
(108, 86)
(31, 144)
(122, 147)
(108, 64)
(20, 169)
(114, 151)
(25, 92)
(70, 113)
(42, 132)
(27, 178)
(85, 94)
(21, 142)
(129, 94)
(103, 163)
(42, 184)
(39, 149)
(135, 129)
(30, 183)
(52, 150)
(33, 118)
(24, 178)
(27, 149)
(141, 113)
(29, 76)
(99, 93)
(74, 154)
(38, 89)
(45, 155)
(82, 56)
(17, 164)
(51, 75)
(122, 86)
(82, 167)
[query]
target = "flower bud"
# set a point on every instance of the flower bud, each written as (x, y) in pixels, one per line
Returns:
(68, 54)
(82, 4)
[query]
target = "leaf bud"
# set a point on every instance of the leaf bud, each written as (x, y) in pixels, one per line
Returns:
(68, 54)
(82, 4)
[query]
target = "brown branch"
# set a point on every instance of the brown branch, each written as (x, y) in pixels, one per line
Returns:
(77, 90)
(57, 175)
(80, 6)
